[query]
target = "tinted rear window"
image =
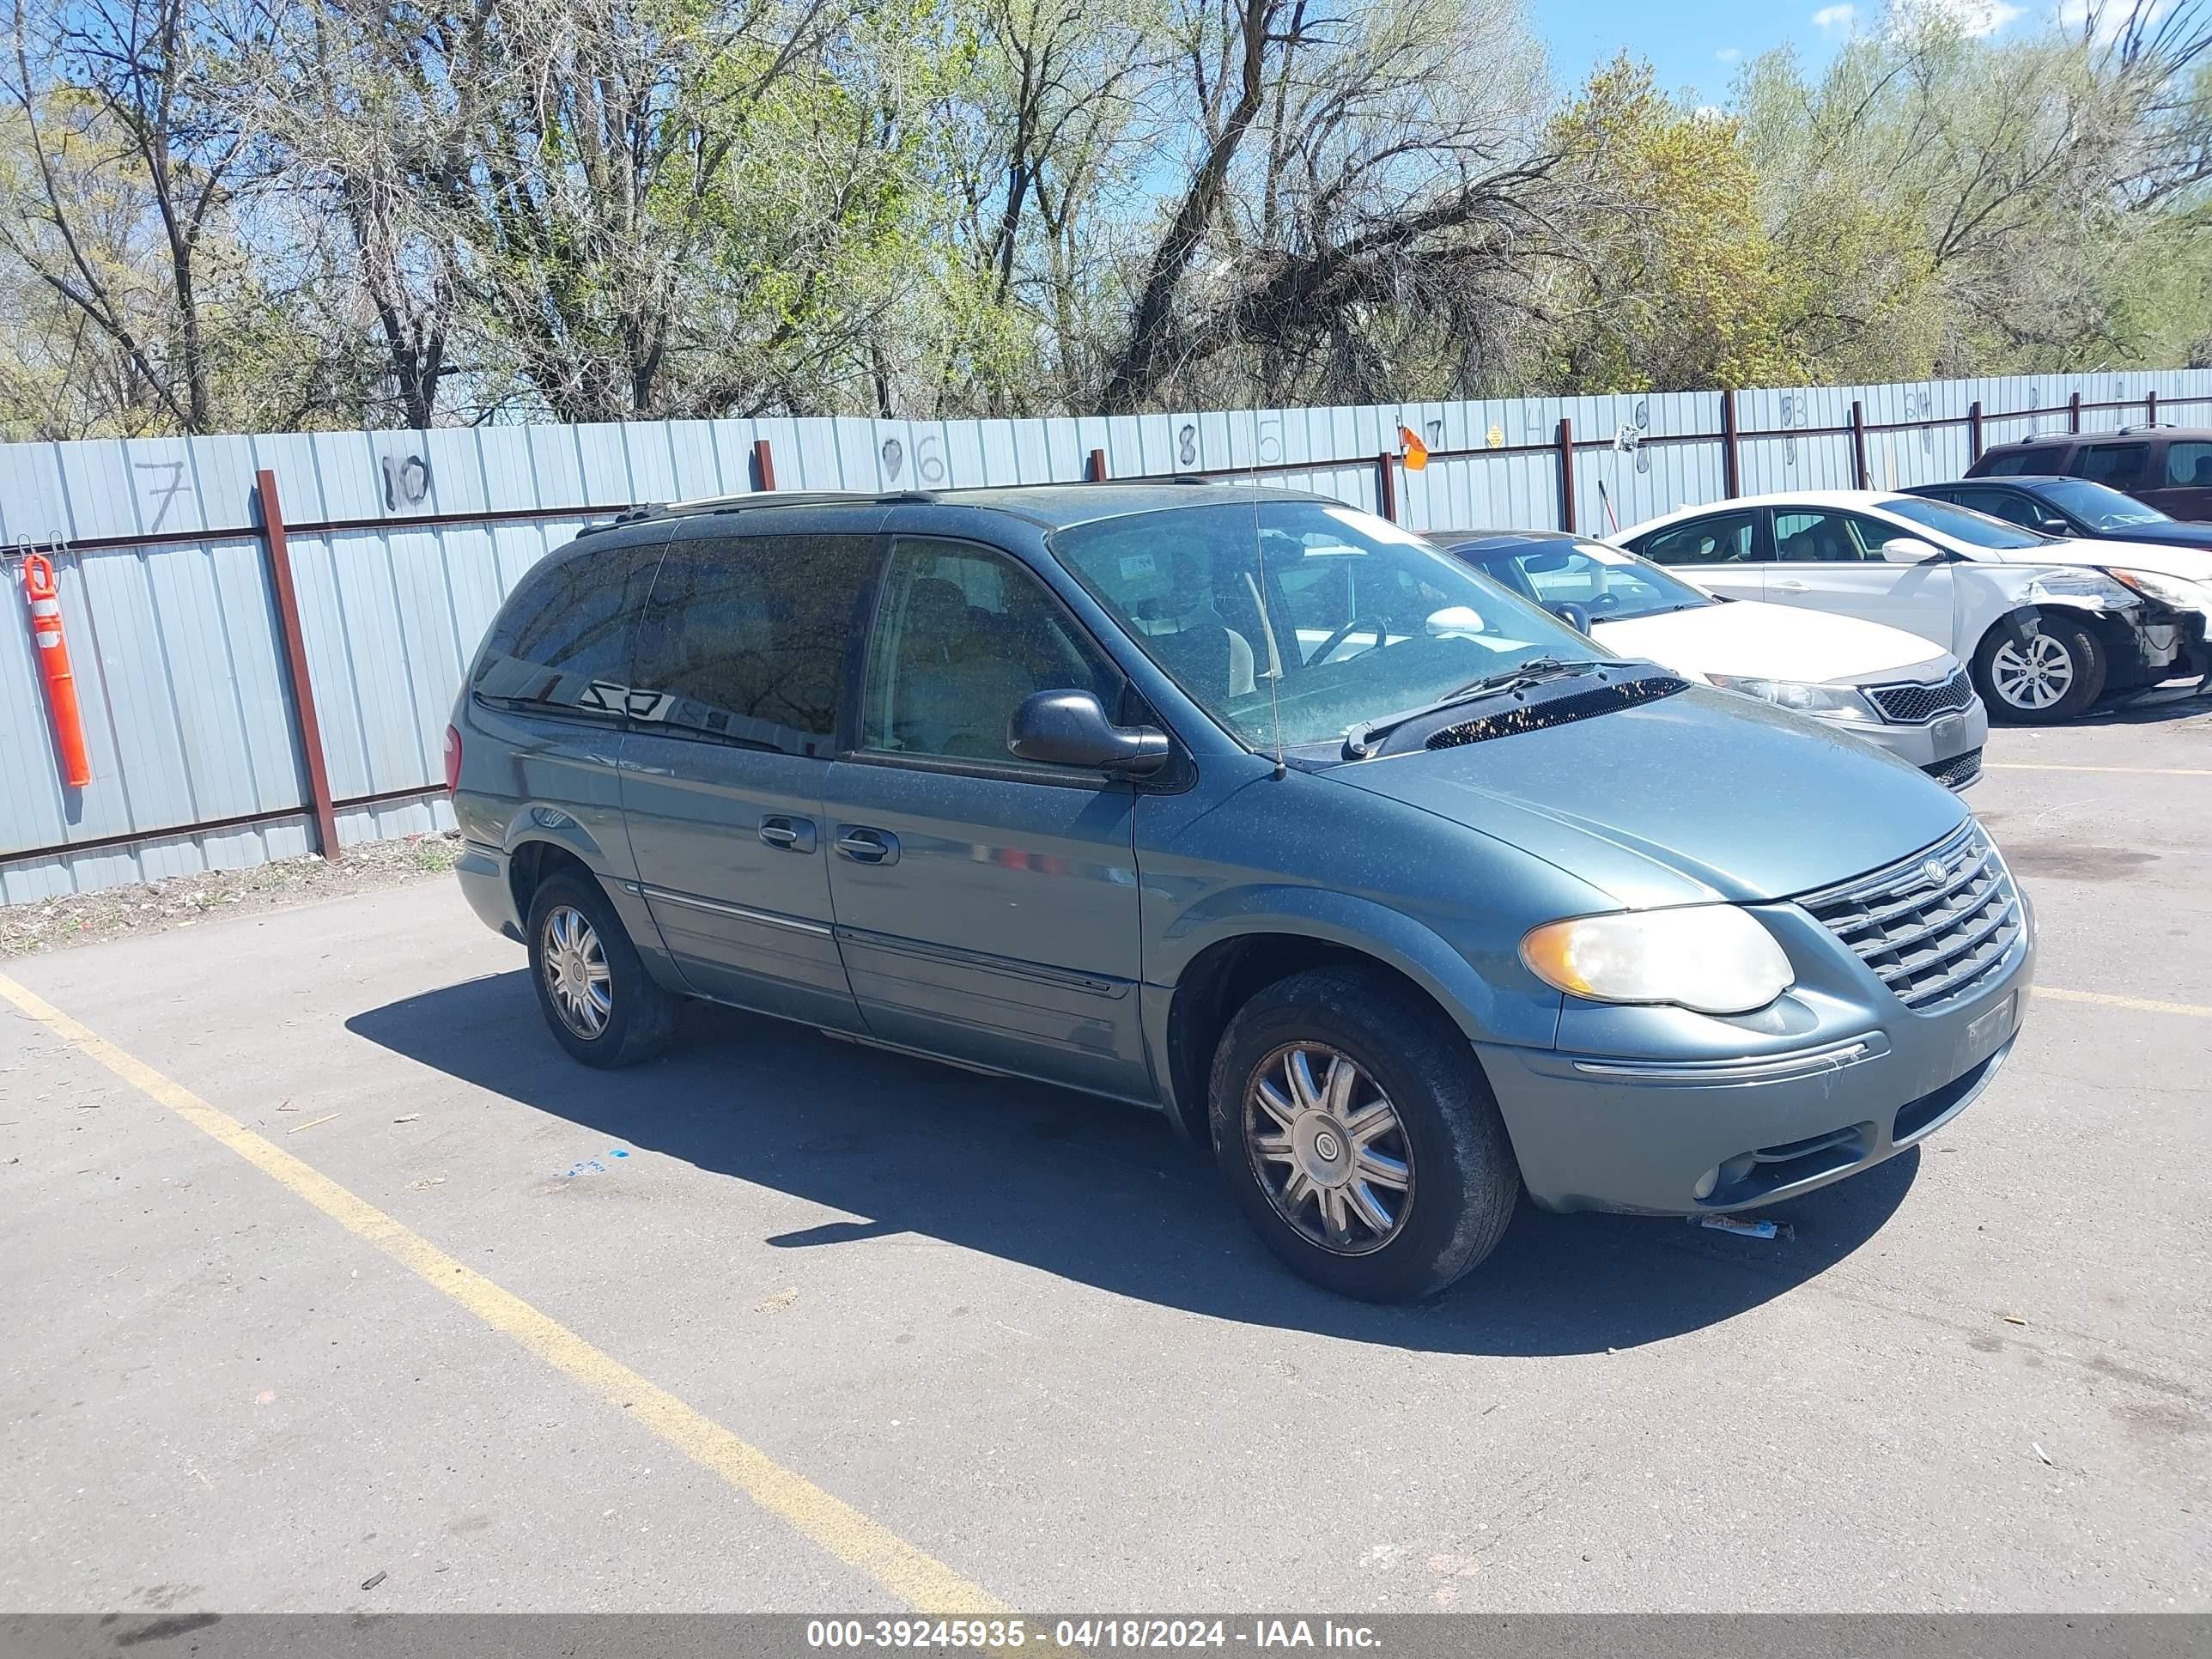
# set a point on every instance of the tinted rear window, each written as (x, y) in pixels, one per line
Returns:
(561, 643)
(2117, 464)
(2011, 462)
(744, 639)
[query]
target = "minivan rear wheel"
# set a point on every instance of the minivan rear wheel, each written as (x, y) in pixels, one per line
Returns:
(2055, 676)
(600, 1003)
(1354, 1126)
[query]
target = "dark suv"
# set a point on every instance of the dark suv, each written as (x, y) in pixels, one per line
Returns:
(2168, 466)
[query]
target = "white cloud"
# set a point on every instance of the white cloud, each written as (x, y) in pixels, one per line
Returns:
(1836, 19)
(1729, 54)
(2100, 20)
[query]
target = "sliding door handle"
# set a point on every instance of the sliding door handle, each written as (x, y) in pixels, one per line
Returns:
(865, 846)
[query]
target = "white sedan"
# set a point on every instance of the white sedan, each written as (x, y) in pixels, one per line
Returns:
(1883, 684)
(2049, 624)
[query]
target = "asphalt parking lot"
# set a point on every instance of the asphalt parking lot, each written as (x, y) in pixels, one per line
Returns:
(778, 1323)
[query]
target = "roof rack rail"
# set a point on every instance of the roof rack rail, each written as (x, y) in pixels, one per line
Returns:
(631, 516)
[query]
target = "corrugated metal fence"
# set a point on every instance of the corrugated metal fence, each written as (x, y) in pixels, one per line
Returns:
(401, 546)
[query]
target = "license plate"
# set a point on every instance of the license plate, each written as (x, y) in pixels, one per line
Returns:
(1949, 735)
(1987, 1030)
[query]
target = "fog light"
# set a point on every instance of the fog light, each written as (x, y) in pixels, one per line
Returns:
(1706, 1182)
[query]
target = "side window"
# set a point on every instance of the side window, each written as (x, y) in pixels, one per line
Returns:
(2119, 465)
(2013, 463)
(2189, 465)
(961, 636)
(2008, 504)
(1803, 537)
(561, 644)
(1724, 538)
(744, 639)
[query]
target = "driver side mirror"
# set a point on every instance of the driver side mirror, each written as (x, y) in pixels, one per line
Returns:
(1909, 549)
(2053, 527)
(1070, 728)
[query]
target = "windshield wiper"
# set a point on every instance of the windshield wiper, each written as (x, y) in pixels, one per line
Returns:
(1360, 741)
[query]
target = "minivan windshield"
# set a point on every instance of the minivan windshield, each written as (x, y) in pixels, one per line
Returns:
(2098, 506)
(1963, 524)
(1317, 614)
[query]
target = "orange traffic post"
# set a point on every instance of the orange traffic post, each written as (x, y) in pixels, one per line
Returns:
(54, 666)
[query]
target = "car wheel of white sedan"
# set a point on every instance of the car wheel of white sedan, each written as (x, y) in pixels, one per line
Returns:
(2055, 675)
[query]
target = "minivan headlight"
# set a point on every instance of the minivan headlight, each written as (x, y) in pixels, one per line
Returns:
(1835, 702)
(1714, 959)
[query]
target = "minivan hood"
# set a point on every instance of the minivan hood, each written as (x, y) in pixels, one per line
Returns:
(1705, 793)
(1772, 641)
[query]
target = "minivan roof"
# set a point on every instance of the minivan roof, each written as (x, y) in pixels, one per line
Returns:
(1053, 507)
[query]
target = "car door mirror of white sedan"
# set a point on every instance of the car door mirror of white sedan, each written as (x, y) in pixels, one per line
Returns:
(1909, 549)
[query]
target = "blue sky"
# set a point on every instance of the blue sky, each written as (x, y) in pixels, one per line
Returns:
(1701, 46)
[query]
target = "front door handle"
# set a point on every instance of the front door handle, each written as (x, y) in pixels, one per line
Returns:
(795, 834)
(865, 846)
(1791, 587)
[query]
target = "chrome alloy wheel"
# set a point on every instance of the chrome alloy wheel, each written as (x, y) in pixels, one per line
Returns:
(1329, 1149)
(576, 971)
(2035, 678)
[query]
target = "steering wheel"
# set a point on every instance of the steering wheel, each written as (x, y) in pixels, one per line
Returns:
(1381, 626)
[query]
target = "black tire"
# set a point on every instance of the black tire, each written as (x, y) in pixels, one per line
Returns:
(1463, 1184)
(641, 1018)
(2085, 657)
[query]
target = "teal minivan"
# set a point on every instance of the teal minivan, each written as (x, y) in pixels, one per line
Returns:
(1381, 883)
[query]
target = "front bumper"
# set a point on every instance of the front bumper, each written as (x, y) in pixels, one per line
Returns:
(1715, 1115)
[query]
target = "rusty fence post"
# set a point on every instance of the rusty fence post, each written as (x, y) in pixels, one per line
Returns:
(2150, 407)
(1386, 481)
(1731, 453)
(295, 663)
(1567, 475)
(2074, 413)
(1098, 466)
(763, 464)
(1858, 445)
(1974, 430)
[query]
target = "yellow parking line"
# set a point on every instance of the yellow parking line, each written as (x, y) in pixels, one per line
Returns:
(2138, 771)
(2141, 1005)
(836, 1526)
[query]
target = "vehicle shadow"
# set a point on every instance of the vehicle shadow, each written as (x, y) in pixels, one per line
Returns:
(2160, 708)
(1092, 1190)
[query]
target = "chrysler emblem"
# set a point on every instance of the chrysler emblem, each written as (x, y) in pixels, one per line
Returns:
(1933, 870)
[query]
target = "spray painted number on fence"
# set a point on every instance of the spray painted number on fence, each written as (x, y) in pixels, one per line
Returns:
(406, 481)
(166, 489)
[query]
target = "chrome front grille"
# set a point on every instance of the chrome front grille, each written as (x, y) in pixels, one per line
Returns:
(1910, 705)
(1931, 925)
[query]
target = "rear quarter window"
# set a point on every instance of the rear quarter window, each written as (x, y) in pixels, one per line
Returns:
(561, 643)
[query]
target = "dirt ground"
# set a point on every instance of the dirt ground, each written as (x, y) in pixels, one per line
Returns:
(181, 900)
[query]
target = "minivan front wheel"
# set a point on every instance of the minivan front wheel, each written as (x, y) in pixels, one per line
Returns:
(599, 1002)
(2055, 675)
(1352, 1123)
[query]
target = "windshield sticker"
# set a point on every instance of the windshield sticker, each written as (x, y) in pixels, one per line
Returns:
(1137, 566)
